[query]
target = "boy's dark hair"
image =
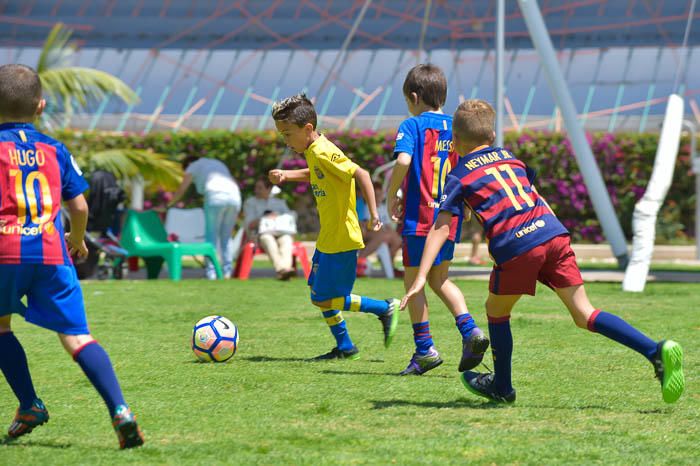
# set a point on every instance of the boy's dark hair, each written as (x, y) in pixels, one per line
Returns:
(429, 83)
(20, 92)
(474, 121)
(296, 109)
(189, 160)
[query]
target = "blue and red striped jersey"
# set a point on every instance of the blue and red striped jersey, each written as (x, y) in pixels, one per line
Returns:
(36, 172)
(498, 189)
(427, 138)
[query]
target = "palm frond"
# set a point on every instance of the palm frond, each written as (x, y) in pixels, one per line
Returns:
(153, 167)
(85, 85)
(57, 50)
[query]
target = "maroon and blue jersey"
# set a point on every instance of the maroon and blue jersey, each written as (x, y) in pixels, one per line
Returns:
(36, 173)
(427, 138)
(497, 187)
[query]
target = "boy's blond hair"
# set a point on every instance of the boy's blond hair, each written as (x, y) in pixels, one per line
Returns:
(474, 121)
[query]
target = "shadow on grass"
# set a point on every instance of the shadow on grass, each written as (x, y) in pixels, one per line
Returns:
(276, 359)
(459, 403)
(392, 374)
(273, 359)
(13, 442)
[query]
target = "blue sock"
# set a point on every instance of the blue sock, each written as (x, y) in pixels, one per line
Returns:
(422, 337)
(339, 329)
(465, 324)
(13, 363)
(357, 303)
(617, 329)
(502, 351)
(93, 360)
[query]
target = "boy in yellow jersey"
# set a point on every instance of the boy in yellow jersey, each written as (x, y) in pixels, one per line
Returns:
(332, 176)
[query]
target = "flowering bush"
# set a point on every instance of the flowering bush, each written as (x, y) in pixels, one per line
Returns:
(625, 161)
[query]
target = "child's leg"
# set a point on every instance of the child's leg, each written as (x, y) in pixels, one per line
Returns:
(609, 325)
(498, 309)
(474, 342)
(13, 364)
(418, 310)
(337, 326)
(95, 363)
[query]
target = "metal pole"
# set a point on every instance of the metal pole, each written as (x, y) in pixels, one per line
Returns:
(582, 151)
(500, 51)
(695, 164)
(344, 47)
(423, 29)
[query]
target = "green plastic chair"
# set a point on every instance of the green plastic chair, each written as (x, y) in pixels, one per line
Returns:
(144, 236)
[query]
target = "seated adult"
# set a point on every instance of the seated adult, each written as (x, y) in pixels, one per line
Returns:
(270, 222)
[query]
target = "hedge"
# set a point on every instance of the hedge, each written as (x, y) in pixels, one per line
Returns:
(625, 160)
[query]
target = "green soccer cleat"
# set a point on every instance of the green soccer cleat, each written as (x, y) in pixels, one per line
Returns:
(352, 354)
(27, 419)
(390, 321)
(668, 365)
(128, 432)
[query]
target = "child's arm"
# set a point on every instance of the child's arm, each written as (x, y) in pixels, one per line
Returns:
(365, 181)
(78, 213)
(437, 236)
(403, 162)
(278, 176)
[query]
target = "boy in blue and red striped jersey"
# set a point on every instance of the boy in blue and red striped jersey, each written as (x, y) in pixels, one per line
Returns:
(424, 156)
(36, 173)
(527, 243)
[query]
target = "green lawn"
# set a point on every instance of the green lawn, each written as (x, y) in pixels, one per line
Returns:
(581, 398)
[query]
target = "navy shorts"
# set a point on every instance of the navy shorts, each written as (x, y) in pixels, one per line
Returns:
(54, 298)
(332, 275)
(413, 251)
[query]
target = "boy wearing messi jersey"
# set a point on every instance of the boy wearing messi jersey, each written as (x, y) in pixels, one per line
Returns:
(424, 156)
(527, 243)
(36, 173)
(332, 176)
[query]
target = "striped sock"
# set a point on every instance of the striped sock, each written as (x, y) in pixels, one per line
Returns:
(357, 303)
(339, 329)
(465, 324)
(422, 337)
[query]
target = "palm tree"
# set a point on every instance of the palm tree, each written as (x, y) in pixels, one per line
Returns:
(65, 86)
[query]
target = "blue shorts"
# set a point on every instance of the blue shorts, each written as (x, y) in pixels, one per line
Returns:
(332, 275)
(54, 298)
(413, 251)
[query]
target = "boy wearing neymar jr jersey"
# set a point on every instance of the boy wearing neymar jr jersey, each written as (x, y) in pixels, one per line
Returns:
(333, 177)
(528, 244)
(424, 156)
(36, 173)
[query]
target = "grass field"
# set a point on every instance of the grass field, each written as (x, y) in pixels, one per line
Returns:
(581, 398)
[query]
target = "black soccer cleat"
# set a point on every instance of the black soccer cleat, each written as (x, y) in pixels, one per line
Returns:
(668, 367)
(483, 385)
(126, 428)
(352, 354)
(473, 349)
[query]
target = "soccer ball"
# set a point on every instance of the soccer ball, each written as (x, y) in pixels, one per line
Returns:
(214, 338)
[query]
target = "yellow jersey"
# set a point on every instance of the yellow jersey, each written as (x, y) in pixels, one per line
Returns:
(333, 185)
